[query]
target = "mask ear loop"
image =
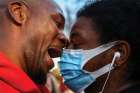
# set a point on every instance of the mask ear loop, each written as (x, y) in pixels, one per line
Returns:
(116, 55)
(89, 54)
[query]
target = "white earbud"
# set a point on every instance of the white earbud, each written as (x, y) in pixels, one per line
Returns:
(117, 54)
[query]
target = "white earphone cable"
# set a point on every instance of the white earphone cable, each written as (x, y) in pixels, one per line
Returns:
(110, 67)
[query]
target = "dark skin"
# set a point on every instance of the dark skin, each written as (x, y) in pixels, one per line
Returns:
(28, 30)
(85, 36)
(60, 42)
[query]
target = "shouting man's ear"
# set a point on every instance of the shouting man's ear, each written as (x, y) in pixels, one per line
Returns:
(18, 12)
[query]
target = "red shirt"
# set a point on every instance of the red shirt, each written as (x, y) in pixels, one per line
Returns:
(14, 80)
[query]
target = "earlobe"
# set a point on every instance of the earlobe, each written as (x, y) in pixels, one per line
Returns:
(17, 11)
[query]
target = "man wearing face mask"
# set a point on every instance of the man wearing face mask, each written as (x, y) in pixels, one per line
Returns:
(103, 56)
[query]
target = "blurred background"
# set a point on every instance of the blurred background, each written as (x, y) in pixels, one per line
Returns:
(70, 7)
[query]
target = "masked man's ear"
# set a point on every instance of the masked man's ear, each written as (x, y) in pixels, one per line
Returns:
(124, 49)
(18, 11)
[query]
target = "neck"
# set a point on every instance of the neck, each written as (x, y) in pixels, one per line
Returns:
(10, 46)
(13, 56)
(11, 41)
(117, 79)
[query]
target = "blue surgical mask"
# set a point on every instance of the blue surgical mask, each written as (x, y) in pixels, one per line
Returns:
(71, 66)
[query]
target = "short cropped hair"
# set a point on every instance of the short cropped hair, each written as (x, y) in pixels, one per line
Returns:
(118, 20)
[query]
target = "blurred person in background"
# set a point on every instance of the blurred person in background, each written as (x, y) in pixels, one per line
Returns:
(103, 55)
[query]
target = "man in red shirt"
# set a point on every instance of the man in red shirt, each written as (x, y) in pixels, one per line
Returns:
(28, 29)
